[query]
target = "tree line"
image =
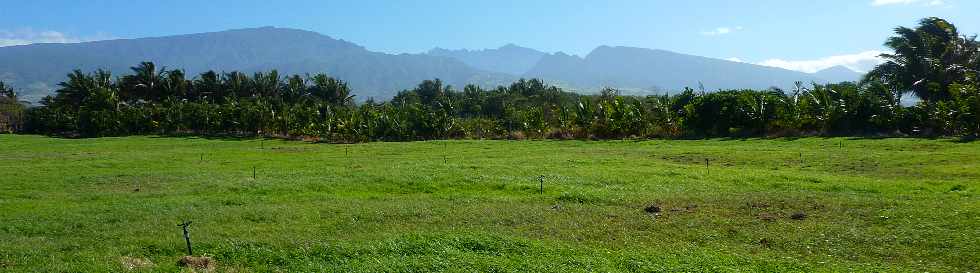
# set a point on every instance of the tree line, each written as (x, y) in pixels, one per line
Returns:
(11, 110)
(932, 61)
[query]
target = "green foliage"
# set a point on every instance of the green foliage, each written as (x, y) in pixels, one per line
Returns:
(322, 107)
(11, 110)
(930, 61)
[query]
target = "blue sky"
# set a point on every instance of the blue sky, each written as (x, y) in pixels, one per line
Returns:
(795, 34)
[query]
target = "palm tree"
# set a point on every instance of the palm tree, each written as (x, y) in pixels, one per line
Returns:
(927, 59)
(207, 87)
(10, 109)
(7, 93)
(266, 84)
(143, 84)
(236, 83)
(295, 89)
(78, 87)
(331, 90)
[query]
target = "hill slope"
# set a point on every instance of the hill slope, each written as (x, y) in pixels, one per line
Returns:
(34, 68)
(658, 70)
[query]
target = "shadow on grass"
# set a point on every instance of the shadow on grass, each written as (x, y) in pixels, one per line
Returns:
(250, 137)
(966, 139)
(222, 137)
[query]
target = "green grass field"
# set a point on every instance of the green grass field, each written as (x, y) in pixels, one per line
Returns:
(107, 204)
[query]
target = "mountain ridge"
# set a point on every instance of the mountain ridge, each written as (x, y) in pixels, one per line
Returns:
(658, 70)
(37, 68)
(509, 58)
(371, 74)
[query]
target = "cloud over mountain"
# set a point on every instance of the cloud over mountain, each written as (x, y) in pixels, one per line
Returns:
(860, 62)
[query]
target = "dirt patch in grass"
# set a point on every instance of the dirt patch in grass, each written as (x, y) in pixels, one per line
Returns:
(658, 208)
(772, 210)
(687, 208)
(798, 216)
(652, 209)
(757, 204)
(291, 149)
(694, 159)
(768, 217)
(134, 263)
(765, 243)
(194, 262)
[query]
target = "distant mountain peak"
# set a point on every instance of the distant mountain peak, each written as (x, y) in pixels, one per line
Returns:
(565, 55)
(509, 59)
(605, 50)
(272, 29)
(505, 47)
(838, 73)
(838, 68)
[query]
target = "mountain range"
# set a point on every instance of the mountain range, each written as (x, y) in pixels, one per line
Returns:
(36, 69)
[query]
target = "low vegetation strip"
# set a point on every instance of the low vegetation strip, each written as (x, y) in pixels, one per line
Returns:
(763, 205)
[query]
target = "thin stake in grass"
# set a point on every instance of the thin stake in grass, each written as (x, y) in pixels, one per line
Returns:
(350, 163)
(707, 165)
(253, 172)
(187, 237)
(541, 184)
(841, 143)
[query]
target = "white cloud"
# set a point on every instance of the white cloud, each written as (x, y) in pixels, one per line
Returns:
(930, 3)
(721, 31)
(735, 59)
(27, 36)
(860, 62)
